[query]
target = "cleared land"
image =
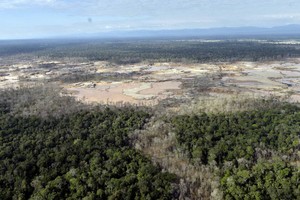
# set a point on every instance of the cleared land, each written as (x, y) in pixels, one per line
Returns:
(146, 84)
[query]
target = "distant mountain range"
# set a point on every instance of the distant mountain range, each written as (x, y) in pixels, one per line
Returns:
(293, 29)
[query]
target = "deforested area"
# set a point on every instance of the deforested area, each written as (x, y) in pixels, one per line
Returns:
(183, 120)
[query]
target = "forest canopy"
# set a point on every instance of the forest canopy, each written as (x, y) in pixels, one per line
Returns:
(54, 147)
(254, 150)
(151, 50)
(83, 154)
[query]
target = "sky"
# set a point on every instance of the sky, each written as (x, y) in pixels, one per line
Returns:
(50, 18)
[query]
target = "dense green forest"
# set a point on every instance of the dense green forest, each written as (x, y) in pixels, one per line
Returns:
(80, 155)
(177, 51)
(53, 147)
(255, 151)
(151, 50)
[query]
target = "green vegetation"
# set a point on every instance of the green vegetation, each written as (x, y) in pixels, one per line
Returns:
(227, 137)
(129, 52)
(252, 149)
(264, 180)
(53, 147)
(151, 50)
(80, 155)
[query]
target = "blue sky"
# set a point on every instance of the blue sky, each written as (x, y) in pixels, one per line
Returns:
(48, 18)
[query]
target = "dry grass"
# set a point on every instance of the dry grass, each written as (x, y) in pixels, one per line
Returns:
(159, 143)
(229, 103)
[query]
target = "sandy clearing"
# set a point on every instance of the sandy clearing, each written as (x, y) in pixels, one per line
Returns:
(103, 94)
(290, 73)
(135, 91)
(129, 92)
(156, 82)
(156, 68)
(295, 98)
(160, 87)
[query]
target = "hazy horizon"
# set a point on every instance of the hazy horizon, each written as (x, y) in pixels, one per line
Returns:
(22, 19)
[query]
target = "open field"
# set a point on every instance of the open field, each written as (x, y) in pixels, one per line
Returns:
(147, 72)
(146, 84)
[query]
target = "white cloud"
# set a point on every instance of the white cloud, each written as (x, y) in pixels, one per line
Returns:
(282, 16)
(10, 4)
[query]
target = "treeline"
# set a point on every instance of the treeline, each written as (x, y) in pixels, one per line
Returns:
(83, 154)
(153, 50)
(253, 150)
(131, 52)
